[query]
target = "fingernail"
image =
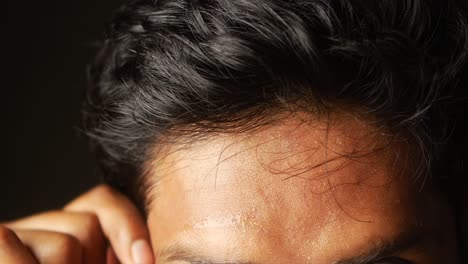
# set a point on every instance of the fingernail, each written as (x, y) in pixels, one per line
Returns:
(141, 252)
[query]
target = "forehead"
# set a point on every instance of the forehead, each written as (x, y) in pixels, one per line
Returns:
(286, 191)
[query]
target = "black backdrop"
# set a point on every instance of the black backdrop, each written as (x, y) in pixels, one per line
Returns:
(46, 46)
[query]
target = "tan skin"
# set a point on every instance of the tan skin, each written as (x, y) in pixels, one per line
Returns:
(332, 190)
(100, 226)
(270, 196)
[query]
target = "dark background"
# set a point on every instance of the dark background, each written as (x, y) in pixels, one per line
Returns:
(46, 46)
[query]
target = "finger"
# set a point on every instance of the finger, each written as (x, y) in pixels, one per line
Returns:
(12, 249)
(120, 221)
(83, 226)
(51, 247)
(111, 258)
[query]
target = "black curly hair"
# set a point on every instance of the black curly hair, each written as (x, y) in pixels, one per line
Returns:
(190, 67)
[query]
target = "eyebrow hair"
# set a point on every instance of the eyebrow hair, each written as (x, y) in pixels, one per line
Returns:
(178, 252)
(383, 249)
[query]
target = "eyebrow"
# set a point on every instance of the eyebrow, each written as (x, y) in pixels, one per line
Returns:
(385, 249)
(178, 252)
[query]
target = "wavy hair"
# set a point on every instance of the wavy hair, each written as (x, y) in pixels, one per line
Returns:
(192, 67)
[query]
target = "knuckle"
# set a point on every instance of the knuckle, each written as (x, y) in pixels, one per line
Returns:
(67, 247)
(103, 190)
(90, 221)
(95, 196)
(6, 235)
(91, 226)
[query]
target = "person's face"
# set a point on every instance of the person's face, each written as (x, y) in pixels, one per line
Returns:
(296, 193)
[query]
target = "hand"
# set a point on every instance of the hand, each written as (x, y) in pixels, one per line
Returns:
(88, 230)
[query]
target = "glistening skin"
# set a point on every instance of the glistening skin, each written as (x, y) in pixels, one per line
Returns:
(296, 192)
